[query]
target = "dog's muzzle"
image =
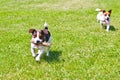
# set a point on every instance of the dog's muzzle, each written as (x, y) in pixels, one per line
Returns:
(39, 42)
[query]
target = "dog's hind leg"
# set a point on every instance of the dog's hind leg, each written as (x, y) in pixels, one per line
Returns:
(48, 49)
(40, 52)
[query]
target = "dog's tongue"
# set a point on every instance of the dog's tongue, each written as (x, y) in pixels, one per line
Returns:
(107, 21)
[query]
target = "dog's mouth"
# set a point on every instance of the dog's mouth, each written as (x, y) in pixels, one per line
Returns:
(108, 19)
(37, 41)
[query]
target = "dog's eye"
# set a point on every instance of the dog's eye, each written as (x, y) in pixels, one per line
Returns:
(105, 14)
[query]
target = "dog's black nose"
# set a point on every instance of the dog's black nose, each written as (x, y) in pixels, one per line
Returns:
(38, 41)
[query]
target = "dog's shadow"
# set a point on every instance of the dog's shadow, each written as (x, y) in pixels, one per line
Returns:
(112, 28)
(53, 57)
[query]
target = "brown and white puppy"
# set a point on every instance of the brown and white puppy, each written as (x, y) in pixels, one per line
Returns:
(41, 39)
(104, 18)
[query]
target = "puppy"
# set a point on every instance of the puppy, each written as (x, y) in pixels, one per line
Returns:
(104, 18)
(41, 39)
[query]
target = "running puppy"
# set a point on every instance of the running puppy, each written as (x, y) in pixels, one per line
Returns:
(41, 39)
(104, 18)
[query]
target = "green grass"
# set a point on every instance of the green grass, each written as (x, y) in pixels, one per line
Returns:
(80, 49)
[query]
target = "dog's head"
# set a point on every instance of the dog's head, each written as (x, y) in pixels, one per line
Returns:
(37, 36)
(107, 14)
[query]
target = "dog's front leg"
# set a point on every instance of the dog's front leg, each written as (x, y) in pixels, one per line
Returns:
(108, 26)
(33, 52)
(40, 52)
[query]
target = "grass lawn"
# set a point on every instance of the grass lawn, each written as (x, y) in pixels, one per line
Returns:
(81, 50)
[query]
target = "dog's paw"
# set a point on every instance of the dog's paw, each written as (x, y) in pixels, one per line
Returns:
(107, 30)
(37, 58)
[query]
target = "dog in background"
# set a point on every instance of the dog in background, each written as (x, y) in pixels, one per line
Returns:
(41, 39)
(104, 18)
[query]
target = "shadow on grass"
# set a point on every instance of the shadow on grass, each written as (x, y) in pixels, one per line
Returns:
(53, 57)
(112, 28)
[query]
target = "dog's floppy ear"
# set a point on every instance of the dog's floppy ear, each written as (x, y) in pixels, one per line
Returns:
(31, 30)
(110, 11)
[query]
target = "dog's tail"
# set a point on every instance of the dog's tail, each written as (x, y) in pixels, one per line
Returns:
(45, 25)
(98, 9)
